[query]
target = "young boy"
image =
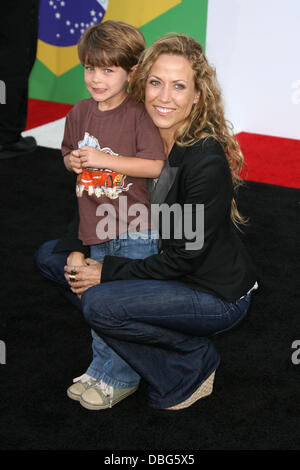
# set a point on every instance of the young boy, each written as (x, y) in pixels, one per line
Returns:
(113, 146)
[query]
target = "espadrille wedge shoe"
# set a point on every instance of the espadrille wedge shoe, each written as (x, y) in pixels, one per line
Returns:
(204, 390)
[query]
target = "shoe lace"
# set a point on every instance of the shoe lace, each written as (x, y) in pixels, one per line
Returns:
(106, 389)
(84, 378)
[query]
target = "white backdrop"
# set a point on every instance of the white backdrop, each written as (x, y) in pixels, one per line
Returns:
(255, 47)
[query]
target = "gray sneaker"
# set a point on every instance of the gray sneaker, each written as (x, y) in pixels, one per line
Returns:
(101, 396)
(81, 384)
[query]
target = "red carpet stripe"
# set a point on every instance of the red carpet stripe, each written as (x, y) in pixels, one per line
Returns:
(42, 112)
(272, 160)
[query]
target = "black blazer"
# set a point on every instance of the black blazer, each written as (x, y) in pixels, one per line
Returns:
(193, 176)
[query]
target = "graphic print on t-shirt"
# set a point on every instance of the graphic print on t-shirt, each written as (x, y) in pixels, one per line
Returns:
(99, 181)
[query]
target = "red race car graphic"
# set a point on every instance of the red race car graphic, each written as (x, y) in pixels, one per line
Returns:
(101, 182)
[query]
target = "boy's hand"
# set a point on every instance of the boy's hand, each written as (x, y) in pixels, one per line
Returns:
(75, 162)
(92, 158)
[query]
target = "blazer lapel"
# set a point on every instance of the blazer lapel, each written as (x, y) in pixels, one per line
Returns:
(159, 191)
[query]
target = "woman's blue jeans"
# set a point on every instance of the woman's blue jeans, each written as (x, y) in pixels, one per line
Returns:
(161, 328)
(106, 364)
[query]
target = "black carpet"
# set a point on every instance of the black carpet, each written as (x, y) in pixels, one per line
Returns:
(256, 399)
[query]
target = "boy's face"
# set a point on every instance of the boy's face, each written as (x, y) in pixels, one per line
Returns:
(107, 85)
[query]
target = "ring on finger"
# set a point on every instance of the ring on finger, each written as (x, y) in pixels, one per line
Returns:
(72, 278)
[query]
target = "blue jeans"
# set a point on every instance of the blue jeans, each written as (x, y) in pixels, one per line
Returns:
(162, 329)
(106, 364)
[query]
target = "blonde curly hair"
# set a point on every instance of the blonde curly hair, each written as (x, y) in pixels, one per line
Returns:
(207, 115)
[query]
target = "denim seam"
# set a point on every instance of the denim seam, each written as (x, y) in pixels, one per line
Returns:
(229, 306)
(141, 318)
(94, 373)
(117, 383)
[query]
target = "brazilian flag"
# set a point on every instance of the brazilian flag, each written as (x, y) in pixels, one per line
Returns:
(57, 74)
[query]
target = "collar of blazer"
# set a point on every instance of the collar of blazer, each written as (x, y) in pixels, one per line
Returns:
(159, 191)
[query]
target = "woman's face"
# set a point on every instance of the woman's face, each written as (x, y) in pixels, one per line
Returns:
(170, 92)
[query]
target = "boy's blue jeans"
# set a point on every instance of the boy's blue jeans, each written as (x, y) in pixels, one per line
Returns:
(106, 364)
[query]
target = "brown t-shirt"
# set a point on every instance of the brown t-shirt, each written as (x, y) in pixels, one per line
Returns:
(105, 198)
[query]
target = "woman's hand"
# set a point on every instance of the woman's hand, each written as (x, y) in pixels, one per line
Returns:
(74, 261)
(76, 258)
(85, 277)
